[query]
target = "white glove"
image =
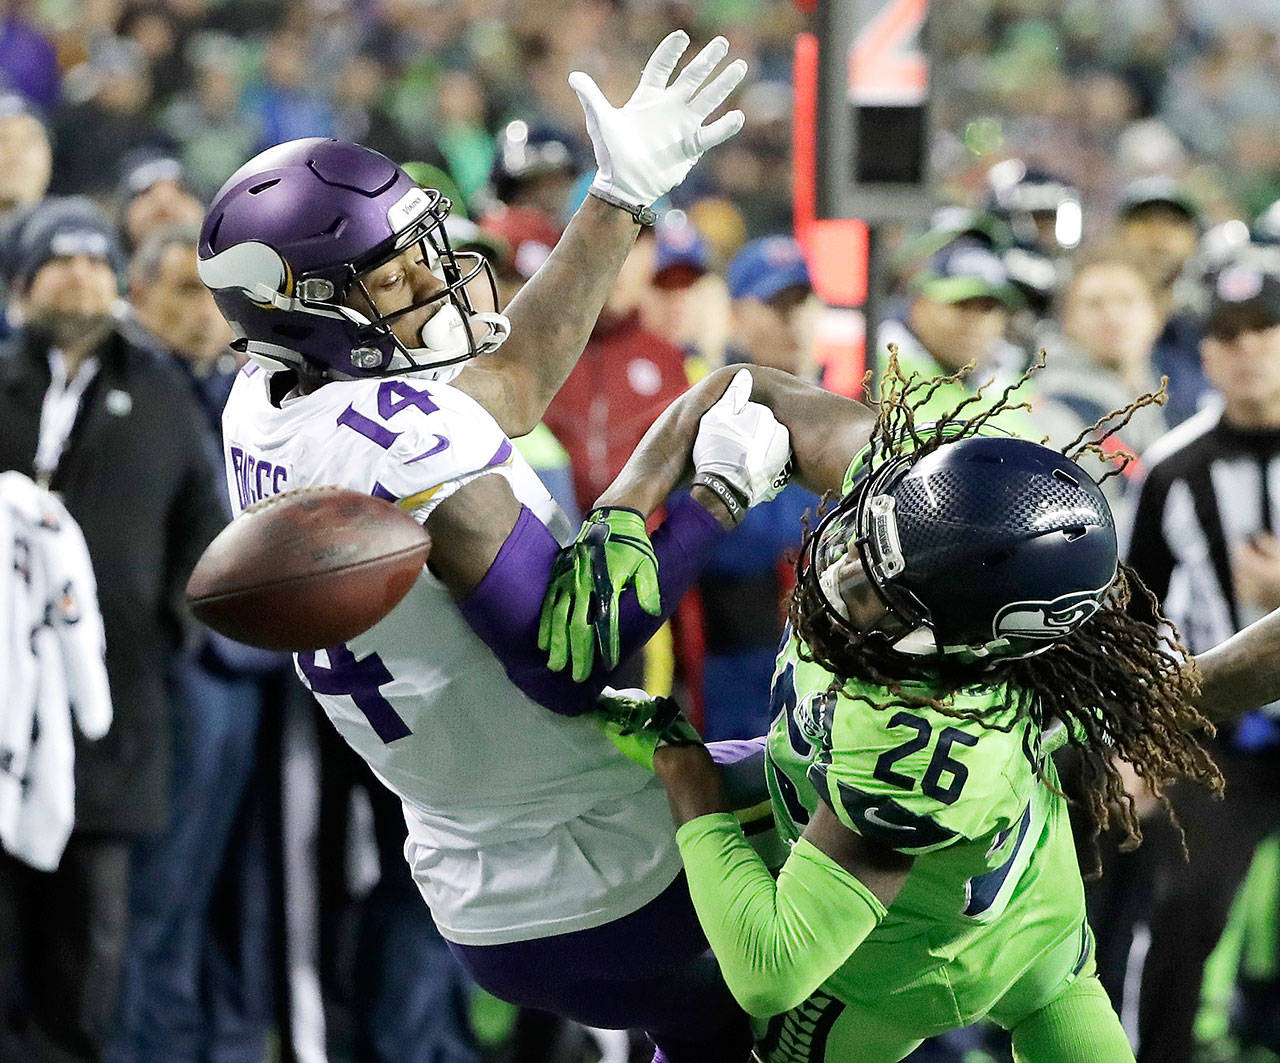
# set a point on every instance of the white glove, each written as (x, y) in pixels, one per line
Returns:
(744, 444)
(645, 147)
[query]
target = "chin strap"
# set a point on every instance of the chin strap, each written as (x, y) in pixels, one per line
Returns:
(271, 356)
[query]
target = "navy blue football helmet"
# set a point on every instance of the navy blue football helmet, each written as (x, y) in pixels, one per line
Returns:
(985, 549)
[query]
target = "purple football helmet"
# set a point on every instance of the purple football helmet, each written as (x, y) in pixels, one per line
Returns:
(289, 237)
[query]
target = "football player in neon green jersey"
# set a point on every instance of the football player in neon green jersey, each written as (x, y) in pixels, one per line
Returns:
(959, 614)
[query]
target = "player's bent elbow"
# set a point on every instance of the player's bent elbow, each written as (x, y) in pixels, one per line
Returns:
(520, 421)
(769, 987)
(763, 1001)
(512, 395)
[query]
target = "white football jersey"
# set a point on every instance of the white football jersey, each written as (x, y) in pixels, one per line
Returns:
(521, 823)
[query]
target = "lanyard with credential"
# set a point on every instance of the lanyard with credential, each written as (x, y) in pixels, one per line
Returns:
(58, 413)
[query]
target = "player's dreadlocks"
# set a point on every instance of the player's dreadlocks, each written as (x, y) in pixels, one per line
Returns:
(1121, 683)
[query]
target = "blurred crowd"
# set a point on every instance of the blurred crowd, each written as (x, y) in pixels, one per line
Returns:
(1096, 92)
(1108, 180)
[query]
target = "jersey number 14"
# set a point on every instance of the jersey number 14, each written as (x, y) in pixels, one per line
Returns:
(358, 680)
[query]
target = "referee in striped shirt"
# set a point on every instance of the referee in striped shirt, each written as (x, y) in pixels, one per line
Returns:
(1206, 539)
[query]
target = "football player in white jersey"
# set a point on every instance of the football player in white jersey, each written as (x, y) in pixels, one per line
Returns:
(545, 855)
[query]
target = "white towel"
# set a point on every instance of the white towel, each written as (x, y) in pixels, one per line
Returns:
(52, 649)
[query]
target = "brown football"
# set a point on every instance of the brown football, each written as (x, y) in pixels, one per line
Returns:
(307, 569)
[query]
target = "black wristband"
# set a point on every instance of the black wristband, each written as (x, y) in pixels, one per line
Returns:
(726, 492)
(642, 215)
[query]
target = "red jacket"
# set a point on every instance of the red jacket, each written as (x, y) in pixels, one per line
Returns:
(626, 377)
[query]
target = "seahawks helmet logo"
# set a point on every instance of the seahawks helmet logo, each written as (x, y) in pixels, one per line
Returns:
(1046, 620)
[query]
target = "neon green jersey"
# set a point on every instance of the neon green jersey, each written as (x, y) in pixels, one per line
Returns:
(991, 917)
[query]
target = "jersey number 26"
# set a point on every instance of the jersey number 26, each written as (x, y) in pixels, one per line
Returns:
(941, 764)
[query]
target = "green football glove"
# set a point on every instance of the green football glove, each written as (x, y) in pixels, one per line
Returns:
(580, 611)
(638, 723)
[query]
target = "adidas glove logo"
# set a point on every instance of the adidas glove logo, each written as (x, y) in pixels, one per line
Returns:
(784, 475)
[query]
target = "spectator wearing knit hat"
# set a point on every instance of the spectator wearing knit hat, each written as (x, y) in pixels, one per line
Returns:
(119, 436)
(154, 194)
(63, 232)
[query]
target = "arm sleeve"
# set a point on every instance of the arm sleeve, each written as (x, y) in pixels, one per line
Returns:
(776, 942)
(504, 609)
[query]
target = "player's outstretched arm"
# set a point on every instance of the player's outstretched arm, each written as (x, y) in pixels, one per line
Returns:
(1242, 673)
(825, 431)
(741, 456)
(643, 149)
(497, 559)
(776, 942)
(735, 430)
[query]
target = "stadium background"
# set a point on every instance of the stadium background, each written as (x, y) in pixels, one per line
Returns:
(1088, 96)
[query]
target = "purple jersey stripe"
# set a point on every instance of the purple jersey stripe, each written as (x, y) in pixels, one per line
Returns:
(504, 452)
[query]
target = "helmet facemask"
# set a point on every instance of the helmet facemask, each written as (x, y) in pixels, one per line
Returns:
(450, 335)
(847, 568)
(309, 312)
